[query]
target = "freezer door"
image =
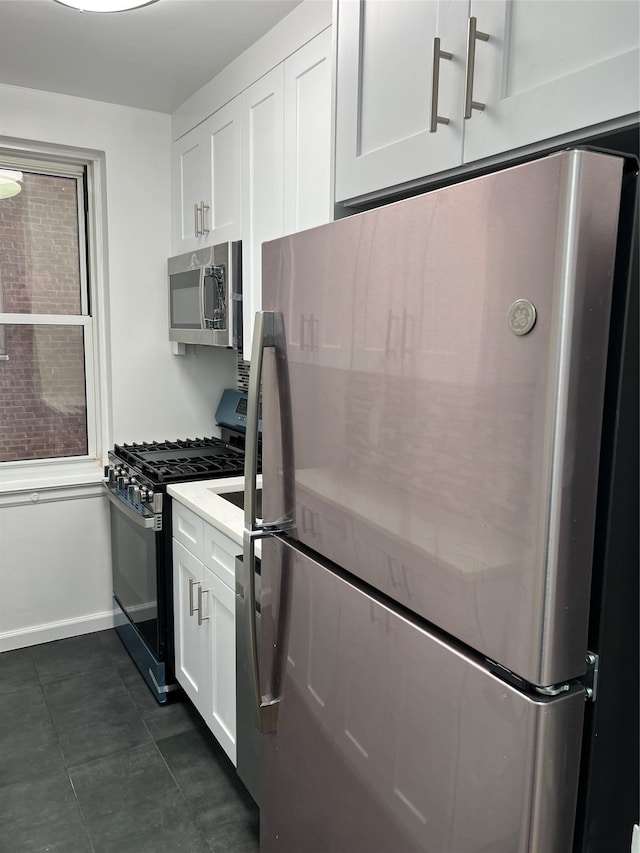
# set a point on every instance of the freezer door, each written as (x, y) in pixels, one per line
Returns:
(390, 740)
(446, 359)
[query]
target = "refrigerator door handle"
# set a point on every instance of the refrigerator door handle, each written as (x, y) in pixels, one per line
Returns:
(266, 707)
(268, 331)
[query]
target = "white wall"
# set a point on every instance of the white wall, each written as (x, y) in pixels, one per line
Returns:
(154, 394)
(55, 574)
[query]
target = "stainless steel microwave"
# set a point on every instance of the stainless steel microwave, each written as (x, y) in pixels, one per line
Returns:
(205, 296)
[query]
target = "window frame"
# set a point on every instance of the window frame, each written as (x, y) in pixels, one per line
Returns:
(88, 170)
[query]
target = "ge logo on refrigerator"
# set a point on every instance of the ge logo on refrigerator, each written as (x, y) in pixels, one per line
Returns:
(521, 317)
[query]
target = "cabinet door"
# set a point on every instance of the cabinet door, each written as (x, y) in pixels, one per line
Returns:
(188, 574)
(307, 135)
(188, 529)
(187, 188)
(384, 92)
(220, 636)
(221, 181)
(220, 554)
(550, 68)
(263, 185)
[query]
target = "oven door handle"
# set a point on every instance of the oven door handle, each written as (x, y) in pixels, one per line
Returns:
(140, 520)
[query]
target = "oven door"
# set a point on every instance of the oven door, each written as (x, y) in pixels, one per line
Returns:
(135, 549)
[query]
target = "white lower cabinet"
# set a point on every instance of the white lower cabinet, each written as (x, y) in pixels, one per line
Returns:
(204, 629)
(219, 713)
(187, 577)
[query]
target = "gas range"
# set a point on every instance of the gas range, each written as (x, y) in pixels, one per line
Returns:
(141, 472)
(136, 481)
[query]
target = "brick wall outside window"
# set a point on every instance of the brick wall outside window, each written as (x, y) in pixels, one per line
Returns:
(42, 381)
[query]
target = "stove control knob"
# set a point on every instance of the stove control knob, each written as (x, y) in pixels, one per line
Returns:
(133, 492)
(122, 482)
(107, 469)
(151, 500)
(144, 496)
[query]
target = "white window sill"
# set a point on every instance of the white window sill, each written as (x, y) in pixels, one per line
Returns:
(45, 474)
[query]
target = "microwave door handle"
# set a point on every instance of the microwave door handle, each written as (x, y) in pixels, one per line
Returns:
(208, 281)
(202, 286)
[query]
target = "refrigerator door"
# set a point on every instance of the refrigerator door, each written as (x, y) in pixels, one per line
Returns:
(446, 359)
(388, 739)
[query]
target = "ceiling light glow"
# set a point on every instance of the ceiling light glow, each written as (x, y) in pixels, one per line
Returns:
(10, 183)
(106, 5)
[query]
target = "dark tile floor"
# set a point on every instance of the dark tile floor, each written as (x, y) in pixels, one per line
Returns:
(90, 763)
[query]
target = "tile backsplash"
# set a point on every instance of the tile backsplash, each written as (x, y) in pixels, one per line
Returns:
(242, 374)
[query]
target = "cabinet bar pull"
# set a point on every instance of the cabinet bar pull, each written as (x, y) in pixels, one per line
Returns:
(473, 33)
(192, 609)
(203, 207)
(196, 211)
(201, 618)
(435, 82)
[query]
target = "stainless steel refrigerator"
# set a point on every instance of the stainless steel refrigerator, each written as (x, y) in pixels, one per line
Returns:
(433, 381)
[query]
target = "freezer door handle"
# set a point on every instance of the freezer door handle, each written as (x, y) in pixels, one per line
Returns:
(266, 706)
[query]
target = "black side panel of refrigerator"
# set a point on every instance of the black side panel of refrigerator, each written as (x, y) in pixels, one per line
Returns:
(609, 794)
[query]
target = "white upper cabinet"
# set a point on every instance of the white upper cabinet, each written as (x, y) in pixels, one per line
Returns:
(205, 175)
(541, 69)
(263, 186)
(286, 157)
(222, 175)
(388, 96)
(260, 166)
(550, 68)
(187, 191)
(307, 135)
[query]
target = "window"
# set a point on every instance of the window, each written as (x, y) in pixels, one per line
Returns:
(46, 326)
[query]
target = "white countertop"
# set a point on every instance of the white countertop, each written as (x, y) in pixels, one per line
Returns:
(203, 498)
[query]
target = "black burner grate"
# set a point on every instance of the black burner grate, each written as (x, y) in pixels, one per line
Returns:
(188, 459)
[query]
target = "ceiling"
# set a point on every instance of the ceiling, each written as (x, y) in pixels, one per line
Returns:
(154, 57)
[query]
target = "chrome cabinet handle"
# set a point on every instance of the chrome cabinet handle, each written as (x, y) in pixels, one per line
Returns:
(407, 324)
(203, 230)
(387, 338)
(473, 33)
(196, 211)
(314, 323)
(192, 608)
(438, 54)
(201, 618)
(310, 521)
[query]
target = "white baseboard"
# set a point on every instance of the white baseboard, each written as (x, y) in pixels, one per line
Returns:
(37, 634)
